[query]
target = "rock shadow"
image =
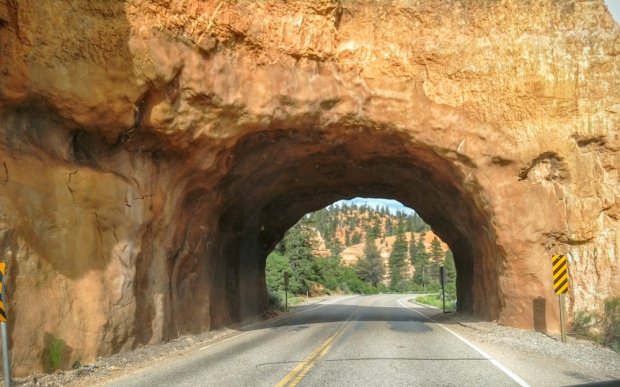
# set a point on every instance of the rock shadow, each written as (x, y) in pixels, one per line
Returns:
(539, 312)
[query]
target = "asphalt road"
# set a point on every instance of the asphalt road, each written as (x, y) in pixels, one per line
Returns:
(357, 341)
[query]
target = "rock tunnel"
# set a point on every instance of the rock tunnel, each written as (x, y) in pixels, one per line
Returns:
(152, 157)
(276, 177)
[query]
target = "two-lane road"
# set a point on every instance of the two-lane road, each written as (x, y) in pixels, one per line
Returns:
(351, 341)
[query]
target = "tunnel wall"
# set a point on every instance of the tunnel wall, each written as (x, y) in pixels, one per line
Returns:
(146, 153)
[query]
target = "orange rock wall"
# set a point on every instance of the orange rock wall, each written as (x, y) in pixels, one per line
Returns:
(153, 151)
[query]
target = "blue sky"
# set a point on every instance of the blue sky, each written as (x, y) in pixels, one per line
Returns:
(614, 7)
(392, 205)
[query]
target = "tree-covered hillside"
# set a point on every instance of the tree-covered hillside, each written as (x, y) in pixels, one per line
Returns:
(346, 225)
(358, 249)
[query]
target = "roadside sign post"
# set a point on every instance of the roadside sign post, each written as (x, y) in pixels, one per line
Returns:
(442, 273)
(560, 286)
(286, 291)
(563, 317)
(3, 330)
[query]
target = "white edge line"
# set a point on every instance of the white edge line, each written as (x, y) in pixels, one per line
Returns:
(493, 361)
(322, 304)
(232, 336)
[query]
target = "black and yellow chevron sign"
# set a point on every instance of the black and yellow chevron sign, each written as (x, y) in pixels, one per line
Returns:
(560, 274)
(2, 311)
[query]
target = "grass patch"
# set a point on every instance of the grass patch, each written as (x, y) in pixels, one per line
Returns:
(277, 300)
(583, 322)
(55, 352)
(610, 324)
(436, 301)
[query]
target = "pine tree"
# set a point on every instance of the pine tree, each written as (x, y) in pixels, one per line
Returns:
(436, 258)
(398, 260)
(418, 223)
(409, 224)
(451, 275)
(336, 248)
(349, 224)
(352, 222)
(298, 248)
(400, 228)
(376, 229)
(420, 262)
(437, 253)
(412, 248)
(370, 267)
(275, 267)
(389, 227)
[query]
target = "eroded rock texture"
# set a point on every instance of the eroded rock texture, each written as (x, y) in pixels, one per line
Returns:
(153, 151)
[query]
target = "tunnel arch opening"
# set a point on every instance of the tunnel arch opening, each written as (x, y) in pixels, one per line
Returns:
(327, 252)
(274, 177)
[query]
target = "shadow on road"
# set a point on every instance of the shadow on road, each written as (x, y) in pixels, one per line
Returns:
(398, 318)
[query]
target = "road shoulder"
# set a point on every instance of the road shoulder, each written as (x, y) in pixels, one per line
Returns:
(538, 358)
(111, 367)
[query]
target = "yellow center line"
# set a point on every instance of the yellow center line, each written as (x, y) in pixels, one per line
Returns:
(301, 370)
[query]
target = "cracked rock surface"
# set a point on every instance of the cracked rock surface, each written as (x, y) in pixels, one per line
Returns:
(152, 152)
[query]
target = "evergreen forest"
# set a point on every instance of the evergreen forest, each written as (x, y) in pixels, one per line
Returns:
(359, 249)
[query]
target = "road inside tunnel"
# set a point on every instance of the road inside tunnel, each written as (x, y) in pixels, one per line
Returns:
(361, 246)
(274, 178)
(341, 341)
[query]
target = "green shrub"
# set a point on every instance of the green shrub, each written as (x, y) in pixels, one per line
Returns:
(436, 301)
(416, 288)
(275, 267)
(55, 352)
(381, 288)
(76, 365)
(351, 283)
(583, 321)
(275, 300)
(610, 323)
(605, 328)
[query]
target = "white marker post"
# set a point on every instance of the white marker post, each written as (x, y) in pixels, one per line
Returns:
(3, 330)
(442, 275)
(5, 353)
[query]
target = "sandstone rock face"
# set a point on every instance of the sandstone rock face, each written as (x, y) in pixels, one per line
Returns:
(152, 152)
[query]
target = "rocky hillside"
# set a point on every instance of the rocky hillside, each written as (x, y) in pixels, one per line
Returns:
(341, 231)
(339, 227)
(352, 254)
